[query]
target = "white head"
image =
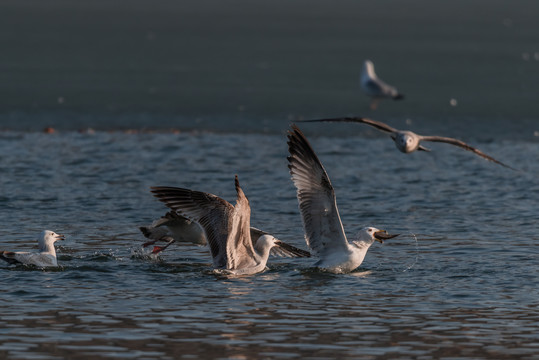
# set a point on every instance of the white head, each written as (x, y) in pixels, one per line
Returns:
(265, 243)
(48, 238)
(368, 69)
(406, 141)
(370, 234)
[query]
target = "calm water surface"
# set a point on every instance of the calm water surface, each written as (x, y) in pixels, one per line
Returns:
(466, 288)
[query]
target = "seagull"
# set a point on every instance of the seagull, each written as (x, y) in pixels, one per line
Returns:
(46, 256)
(226, 227)
(173, 227)
(324, 232)
(408, 141)
(375, 87)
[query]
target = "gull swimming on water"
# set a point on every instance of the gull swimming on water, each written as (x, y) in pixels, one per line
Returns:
(226, 227)
(408, 141)
(324, 232)
(173, 227)
(46, 257)
(375, 87)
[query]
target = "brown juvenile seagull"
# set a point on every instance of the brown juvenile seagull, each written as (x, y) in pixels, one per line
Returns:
(175, 228)
(226, 227)
(408, 141)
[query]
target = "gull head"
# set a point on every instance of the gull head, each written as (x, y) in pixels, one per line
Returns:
(370, 234)
(368, 70)
(265, 243)
(406, 141)
(50, 237)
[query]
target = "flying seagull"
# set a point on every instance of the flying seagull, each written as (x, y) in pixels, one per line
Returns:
(375, 87)
(46, 257)
(173, 227)
(322, 224)
(408, 141)
(226, 227)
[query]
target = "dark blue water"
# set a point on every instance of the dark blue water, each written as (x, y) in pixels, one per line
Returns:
(191, 93)
(466, 288)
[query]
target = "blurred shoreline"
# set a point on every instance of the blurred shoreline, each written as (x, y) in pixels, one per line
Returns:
(254, 67)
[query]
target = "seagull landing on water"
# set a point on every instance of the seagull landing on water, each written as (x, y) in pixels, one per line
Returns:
(375, 87)
(408, 141)
(324, 231)
(226, 227)
(173, 227)
(46, 257)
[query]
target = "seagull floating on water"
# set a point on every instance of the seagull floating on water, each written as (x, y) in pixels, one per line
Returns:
(46, 257)
(173, 227)
(375, 87)
(408, 141)
(324, 232)
(226, 227)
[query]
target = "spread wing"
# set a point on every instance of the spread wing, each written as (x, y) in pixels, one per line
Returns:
(240, 249)
(176, 226)
(376, 124)
(318, 207)
(463, 145)
(211, 212)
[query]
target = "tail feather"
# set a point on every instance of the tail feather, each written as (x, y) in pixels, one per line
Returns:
(7, 256)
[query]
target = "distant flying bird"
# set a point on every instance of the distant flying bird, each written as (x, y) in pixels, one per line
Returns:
(226, 227)
(408, 141)
(46, 257)
(375, 87)
(324, 232)
(173, 227)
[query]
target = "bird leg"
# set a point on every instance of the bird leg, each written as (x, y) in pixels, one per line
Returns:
(374, 104)
(158, 249)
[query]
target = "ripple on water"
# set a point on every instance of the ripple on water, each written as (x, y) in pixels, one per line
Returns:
(465, 289)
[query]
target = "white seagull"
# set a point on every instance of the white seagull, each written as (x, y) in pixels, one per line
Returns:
(46, 257)
(375, 87)
(173, 227)
(408, 141)
(324, 231)
(226, 227)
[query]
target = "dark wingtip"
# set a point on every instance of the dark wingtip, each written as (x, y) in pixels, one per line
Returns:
(144, 230)
(237, 183)
(293, 250)
(398, 97)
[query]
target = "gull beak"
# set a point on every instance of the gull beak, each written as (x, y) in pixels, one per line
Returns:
(60, 237)
(383, 235)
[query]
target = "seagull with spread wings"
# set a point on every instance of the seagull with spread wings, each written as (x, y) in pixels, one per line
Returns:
(175, 228)
(324, 232)
(408, 141)
(226, 228)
